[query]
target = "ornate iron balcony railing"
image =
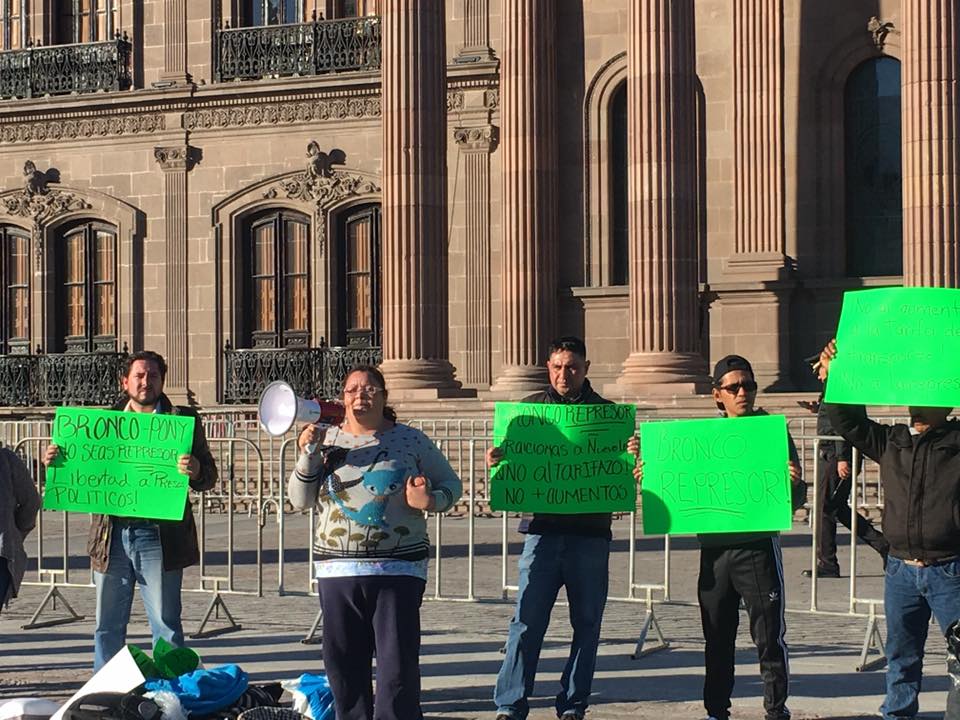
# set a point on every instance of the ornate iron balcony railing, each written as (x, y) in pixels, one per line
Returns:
(312, 372)
(60, 379)
(313, 48)
(65, 69)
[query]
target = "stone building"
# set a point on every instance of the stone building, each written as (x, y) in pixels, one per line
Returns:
(267, 188)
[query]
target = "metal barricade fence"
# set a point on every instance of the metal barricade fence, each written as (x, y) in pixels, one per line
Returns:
(254, 468)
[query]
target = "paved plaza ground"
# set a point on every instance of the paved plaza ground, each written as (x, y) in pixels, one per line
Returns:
(462, 639)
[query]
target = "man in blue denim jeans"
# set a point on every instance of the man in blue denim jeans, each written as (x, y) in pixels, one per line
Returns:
(152, 553)
(920, 472)
(570, 551)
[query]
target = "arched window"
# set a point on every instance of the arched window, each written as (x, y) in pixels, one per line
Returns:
(619, 200)
(13, 24)
(359, 299)
(15, 300)
(86, 267)
(872, 155)
(276, 294)
(80, 21)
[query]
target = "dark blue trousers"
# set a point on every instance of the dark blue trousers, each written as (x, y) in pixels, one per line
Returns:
(365, 614)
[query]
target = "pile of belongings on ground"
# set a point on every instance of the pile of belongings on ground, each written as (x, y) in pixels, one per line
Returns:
(175, 686)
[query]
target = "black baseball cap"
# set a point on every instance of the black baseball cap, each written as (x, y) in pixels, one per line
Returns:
(729, 364)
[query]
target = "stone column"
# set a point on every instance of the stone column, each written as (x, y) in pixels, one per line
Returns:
(529, 170)
(476, 33)
(664, 310)
(174, 43)
(476, 144)
(175, 162)
(931, 142)
(754, 293)
(414, 266)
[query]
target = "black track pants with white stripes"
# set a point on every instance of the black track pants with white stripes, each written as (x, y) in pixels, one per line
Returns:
(752, 571)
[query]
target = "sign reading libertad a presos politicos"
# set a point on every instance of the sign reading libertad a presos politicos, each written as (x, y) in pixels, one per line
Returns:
(561, 458)
(118, 463)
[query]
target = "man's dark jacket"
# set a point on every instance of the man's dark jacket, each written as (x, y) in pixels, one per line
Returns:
(588, 524)
(178, 538)
(921, 482)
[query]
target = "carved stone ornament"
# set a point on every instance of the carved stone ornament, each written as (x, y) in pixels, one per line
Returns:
(322, 186)
(454, 100)
(92, 127)
(483, 138)
(879, 30)
(283, 113)
(40, 203)
(174, 157)
(491, 98)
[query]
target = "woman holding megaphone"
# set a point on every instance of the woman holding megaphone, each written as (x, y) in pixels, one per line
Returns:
(371, 479)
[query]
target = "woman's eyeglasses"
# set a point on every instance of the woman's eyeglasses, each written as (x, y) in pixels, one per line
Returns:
(362, 390)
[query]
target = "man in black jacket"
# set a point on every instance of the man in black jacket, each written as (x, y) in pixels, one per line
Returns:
(570, 551)
(920, 472)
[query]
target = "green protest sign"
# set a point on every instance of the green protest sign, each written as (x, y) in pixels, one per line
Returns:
(719, 475)
(563, 458)
(898, 346)
(118, 463)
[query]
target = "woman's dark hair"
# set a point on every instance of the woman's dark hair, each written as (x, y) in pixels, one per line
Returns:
(388, 412)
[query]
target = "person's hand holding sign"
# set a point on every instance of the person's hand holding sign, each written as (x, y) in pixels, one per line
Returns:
(795, 472)
(418, 493)
(188, 465)
(826, 355)
(494, 456)
(50, 454)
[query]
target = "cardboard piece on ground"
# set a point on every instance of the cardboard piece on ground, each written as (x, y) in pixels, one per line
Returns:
(121, 675)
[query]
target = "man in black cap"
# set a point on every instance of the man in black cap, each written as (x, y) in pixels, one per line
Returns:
(747, 566)
(834, 483)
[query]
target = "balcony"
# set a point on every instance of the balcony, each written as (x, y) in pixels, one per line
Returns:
(60, 379)
(313, 48)
(65, 69)
(312, 372)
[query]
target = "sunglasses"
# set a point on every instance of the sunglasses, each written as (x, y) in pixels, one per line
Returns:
(734, 388)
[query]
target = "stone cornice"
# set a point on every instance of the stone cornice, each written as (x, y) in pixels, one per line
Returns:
(281, 102)
(57, 129)
(477, 139)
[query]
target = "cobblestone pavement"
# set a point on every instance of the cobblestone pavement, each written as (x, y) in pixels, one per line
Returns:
(462, 639)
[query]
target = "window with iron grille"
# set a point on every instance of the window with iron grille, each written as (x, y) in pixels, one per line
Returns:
(276, 264)
(86, 259)
(256, 13)
(15, 300)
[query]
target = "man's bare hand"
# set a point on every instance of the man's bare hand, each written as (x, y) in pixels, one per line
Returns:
(826, 356)
(843, 469)
(494, 456)
(633, 446)
(638, 472)
(795, 472)
(50, 454)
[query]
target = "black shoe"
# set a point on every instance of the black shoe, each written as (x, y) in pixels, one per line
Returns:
(823, 572)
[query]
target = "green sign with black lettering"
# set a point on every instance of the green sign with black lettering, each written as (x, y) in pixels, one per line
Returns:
(715, 476)
(898, 346)
(118, 463)
(562, 458)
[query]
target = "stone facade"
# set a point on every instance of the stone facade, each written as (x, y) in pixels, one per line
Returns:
(749, 255)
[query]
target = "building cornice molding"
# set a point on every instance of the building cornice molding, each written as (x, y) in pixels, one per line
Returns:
(55, 129)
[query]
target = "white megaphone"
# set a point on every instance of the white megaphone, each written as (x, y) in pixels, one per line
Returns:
(280, 408)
